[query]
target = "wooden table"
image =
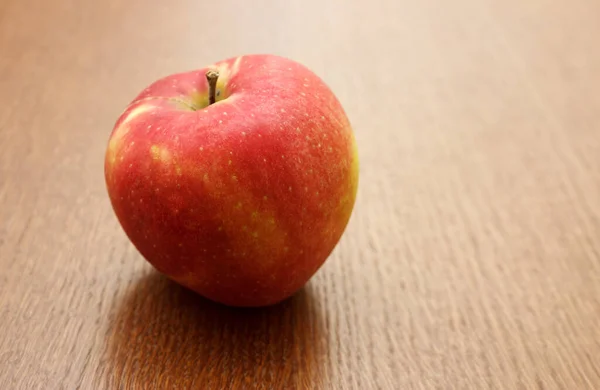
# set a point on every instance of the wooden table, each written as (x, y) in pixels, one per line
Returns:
(472, 259)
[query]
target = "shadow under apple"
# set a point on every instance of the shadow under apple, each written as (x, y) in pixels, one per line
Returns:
(165, 336)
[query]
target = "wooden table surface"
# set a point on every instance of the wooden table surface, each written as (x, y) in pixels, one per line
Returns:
(472, 259)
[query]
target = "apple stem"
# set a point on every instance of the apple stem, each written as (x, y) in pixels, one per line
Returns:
(211, 77)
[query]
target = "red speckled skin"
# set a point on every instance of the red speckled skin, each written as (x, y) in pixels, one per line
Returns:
(243, 200)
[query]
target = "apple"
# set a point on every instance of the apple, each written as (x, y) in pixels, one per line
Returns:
(236, 180)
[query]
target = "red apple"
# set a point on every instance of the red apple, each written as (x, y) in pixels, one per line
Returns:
(241, 197)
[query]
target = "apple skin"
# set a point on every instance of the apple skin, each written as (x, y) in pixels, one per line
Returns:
(243, 200)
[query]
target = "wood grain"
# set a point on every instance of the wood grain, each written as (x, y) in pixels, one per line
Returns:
(472, 258)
